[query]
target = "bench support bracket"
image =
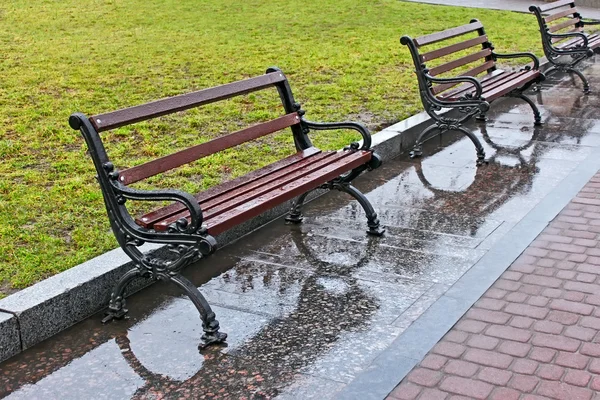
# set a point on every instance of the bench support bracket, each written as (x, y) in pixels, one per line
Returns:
(156, 268)
(570, 69)
(375, 229)
(444, 125)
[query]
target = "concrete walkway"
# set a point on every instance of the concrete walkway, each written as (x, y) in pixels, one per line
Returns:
(511, 5)
(534, 333)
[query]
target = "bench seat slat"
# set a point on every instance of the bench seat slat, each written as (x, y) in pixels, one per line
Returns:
(486, 81)
(160, 165)
(459, 62)
(295, 170)
(235, 198)
(447, 34)
(511, 85)
(252, 208)
(152, 217)
(115, 119)
(473, 72)
(500, 84)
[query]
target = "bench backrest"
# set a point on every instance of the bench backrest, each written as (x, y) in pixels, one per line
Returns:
(558, 17)
(474, 48)
(273, 78)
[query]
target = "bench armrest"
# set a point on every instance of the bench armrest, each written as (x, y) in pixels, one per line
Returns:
(536, 61)
(569, 34)
(168, 194)
(467, 79)
(590, 22)
(364, 132)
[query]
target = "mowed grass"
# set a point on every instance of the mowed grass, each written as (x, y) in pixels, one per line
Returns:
(342, 57)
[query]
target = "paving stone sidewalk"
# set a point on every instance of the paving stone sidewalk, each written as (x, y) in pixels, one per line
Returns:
(535, 333)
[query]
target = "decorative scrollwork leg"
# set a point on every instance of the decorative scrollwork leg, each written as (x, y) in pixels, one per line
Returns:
(375, 228)
(209, 322)
(536, 112)
(116, 307)
(550, 71)
(418, 148)
(481, 117)
(586, 84)
(295, 215)
(478, 147)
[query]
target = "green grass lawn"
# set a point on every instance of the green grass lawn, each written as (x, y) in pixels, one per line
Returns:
(342, 57)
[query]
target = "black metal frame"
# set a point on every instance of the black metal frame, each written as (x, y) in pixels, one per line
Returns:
(471, 105)
(559, 58)
(189, 241)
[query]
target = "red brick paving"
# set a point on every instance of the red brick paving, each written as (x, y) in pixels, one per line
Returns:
(535, 333)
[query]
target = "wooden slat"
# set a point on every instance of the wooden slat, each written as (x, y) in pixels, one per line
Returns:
(307, 155)
(473, 72)
(115, 119)
(222, 193)
(563, 25)
(556, 4)
(194, 153)
(234, 199)
(560, 14)
(444, 51)
(459, 62)
(511, 85)
(269, 200)
(495, 76)
(447, 34)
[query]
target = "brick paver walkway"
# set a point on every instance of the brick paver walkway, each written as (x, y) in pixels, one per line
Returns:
(535, 333)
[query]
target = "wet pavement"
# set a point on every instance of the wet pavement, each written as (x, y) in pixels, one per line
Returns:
(309, 307)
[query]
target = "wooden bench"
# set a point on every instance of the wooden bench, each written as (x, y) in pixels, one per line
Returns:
(189, 225)
(565, 37)
(466, 78)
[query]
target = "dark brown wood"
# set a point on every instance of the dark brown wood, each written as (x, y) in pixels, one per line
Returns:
(511, 85)
(444, 51)
(460, 62)
(115, 119)
(194, 153)
(447, 34)
(563, 25)
(485, 81)
(257, 205)
(241, 196)
(560, 14)
(152, 217)
(473, 72)
(556, 4)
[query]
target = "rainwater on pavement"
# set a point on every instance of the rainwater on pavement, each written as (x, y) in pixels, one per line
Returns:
(308, 307)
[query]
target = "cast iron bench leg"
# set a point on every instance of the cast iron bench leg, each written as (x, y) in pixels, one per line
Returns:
(423, 137)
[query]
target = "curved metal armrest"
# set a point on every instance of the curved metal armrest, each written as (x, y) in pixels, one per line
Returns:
(536, 61)
(590, 22)
(168, 194)
(570, 34)
(468, 79)
(364, 132)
